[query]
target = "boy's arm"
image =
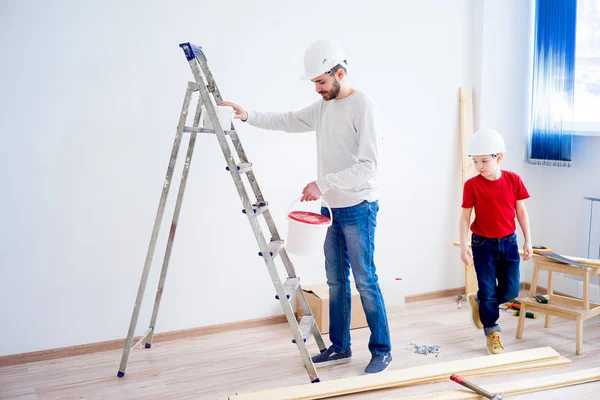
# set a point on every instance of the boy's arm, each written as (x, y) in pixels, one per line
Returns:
(466, 254)
(523, 218)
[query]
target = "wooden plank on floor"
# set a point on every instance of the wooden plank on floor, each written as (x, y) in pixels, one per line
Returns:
(401, 377)
(527, 367)
(532, 366)
(516, 387)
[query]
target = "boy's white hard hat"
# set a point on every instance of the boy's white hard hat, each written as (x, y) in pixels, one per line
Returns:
(486, 141)
(320, 57)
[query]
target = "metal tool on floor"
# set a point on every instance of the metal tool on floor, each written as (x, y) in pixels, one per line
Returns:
(513, 305)
(476, 389)
(528, 314)
(546, 252)
(425, 350)
(254, 204)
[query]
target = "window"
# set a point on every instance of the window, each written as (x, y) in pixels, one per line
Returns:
(586, 108)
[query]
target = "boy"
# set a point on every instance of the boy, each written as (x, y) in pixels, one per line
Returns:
(496, 195)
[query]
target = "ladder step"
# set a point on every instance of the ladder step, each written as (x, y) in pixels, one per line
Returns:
(258, 208)
(139, 342)
(243, 167)
(188, 129)
(289, 287)
(305, 325)
(274, 247)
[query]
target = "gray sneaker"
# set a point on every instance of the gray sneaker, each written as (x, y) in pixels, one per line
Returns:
(330, 357)
(378, 363)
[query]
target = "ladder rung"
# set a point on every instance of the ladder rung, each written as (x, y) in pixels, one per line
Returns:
(305, 325)
(202, 130)
(139, 342)
(257, 210)
(289, 287)
(274, 247)
(243, 167)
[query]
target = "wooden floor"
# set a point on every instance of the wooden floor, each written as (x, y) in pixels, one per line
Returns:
(218, 365)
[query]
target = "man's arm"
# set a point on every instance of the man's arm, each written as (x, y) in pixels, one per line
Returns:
(523, 218)
(304, 120)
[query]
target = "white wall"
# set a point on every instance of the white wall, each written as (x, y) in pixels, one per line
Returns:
(90, 97)
(559, 215)
(89, 100)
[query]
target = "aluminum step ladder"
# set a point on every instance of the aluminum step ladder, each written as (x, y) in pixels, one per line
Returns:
(255, 207)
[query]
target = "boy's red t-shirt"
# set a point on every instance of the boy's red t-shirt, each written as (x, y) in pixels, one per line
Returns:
(495, 203)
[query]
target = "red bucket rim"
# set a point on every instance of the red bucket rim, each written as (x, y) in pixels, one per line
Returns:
(309, 218)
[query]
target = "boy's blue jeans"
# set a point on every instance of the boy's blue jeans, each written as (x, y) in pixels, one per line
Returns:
(350, 244)
(496, 260)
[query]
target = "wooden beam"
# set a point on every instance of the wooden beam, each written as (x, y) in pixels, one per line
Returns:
(527, 367)
(466, 131)
(404, 377)
(532, 366)
(516, 387)
(468, 170)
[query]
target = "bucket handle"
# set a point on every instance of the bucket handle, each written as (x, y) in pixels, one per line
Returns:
(322, 200)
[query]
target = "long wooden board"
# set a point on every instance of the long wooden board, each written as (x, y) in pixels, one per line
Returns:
(468, 170)
(530, 366)
(516, 387)
(404, 377)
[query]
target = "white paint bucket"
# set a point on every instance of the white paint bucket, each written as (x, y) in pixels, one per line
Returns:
(306, 231)
(225, 116)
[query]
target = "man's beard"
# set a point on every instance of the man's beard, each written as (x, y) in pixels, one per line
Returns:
(334, 93)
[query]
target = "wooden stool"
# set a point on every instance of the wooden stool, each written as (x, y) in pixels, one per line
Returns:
(578, 310)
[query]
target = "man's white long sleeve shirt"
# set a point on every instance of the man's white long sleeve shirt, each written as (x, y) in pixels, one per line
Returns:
(348, 145)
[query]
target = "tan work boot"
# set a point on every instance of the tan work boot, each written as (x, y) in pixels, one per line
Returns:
(472, 297)
(494, 344)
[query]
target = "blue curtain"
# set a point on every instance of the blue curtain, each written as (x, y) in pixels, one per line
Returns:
(550, 136)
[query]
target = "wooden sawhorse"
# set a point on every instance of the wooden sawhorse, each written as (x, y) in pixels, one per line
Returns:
(578, 310)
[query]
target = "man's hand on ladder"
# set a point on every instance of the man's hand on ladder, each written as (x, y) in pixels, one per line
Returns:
(311, 192)
(240, 113)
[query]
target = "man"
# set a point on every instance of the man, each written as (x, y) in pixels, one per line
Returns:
(348, 153)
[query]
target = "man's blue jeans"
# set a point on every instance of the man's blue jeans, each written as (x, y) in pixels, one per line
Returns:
(350, 245)
(495, 260)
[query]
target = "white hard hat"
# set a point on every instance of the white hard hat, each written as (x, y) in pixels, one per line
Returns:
(486, 141)
(320, 57)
